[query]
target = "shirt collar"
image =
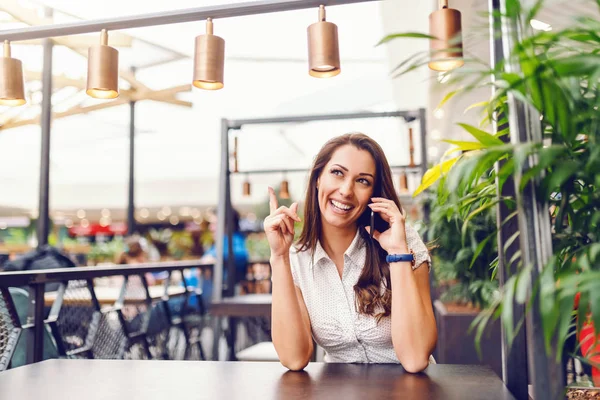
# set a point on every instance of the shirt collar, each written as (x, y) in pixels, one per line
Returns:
(351, 252)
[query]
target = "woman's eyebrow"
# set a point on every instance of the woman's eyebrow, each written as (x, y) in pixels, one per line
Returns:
(342, 167)
(346, 169)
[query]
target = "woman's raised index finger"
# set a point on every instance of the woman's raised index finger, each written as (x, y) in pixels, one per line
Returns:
(272, 200)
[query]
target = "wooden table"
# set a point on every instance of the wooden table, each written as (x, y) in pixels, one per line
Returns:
(233, 308)
(250, 305)
(159, 380)
(109, 295)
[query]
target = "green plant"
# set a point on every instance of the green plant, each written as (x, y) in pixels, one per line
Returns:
(558, 76)
(106, 252)
(462, 259)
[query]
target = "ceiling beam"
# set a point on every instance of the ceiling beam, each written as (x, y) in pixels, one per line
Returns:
(31, 17)
(163, 95)
(175, 55)
(58, 81)
(85, 42)
(159, 94)
(138, 92)
(177, 102)
(170, 17)
(70, 112)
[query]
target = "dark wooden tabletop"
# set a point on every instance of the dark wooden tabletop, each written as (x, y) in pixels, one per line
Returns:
(250, 305)
(160, 380)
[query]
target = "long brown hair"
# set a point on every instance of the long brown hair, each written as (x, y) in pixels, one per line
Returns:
(370, 299)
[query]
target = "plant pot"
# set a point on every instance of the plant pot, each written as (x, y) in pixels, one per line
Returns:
(583, 393)
(456, 345)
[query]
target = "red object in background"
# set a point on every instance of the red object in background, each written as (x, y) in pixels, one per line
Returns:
(118, 228)
(591, 349)
(589, 346)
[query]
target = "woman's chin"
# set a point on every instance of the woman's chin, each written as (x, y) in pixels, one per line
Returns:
(339, 223)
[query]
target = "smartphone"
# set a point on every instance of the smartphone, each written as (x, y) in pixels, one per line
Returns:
(377, 223)
(372, 223)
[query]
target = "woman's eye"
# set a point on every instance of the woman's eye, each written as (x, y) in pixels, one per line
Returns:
(364, 181)
(336, 172)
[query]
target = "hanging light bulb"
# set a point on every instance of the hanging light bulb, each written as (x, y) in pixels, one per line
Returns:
(235, 154)
(446, 50)
(209, 60)
(284, 192)
(247, 187)
(323, 48)
(411, 147)
(103, 70)
(12, 92)
(403, 182)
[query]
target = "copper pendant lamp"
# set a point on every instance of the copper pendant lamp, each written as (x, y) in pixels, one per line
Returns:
(103, 70)
(246, 188)
(446, 50)
(403, 182)
(12, 91)
(411, 148)
(235, 155)
(284, 192)
(209, 60)
(323, 48)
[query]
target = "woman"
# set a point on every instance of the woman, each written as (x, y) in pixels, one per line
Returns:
(335, 282)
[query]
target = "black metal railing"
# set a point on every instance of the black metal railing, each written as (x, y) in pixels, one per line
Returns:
(101, 312)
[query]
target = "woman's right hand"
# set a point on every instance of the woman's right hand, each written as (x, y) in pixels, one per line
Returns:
(279, 226)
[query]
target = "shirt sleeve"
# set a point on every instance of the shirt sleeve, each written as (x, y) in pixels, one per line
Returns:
(415, 243)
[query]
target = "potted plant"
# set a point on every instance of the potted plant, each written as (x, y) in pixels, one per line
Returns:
(558, 77)
(464, 283)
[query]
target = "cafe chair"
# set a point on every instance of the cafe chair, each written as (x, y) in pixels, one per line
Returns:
(10, 329)
(193, 322)
(20, 299)
(75, 323)
(188, 313)
(159, 333)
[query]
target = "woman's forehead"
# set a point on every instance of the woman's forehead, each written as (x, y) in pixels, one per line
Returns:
(354, 159)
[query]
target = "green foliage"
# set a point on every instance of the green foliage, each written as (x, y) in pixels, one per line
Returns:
(463, 252)
(13, 236)
(106, 252)
(557, 76)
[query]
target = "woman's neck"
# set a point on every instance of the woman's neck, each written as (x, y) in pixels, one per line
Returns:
(335, 241)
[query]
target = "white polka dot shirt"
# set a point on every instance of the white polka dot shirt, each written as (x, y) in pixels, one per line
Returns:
(345, 334)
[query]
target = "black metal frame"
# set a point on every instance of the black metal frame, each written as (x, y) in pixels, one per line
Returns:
(225, 208)
(514, 356)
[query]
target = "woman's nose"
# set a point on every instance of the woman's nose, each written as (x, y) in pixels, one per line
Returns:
(346, 188)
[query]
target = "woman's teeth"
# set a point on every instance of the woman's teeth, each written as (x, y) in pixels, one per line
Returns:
(340, 206)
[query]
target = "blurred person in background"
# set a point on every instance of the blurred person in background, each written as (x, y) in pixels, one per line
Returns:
(240, 255)
(134, 253)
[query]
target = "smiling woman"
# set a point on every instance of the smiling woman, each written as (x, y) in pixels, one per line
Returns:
(337, 282)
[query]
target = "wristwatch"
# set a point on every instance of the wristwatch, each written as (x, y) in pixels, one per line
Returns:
(392, 258)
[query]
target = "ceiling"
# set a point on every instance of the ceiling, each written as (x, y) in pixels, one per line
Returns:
(177, 147)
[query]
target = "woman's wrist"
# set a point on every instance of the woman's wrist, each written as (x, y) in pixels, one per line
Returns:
(400, 249)
(279, 258)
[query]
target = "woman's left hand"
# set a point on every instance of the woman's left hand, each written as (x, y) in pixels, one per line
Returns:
(393, 240)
